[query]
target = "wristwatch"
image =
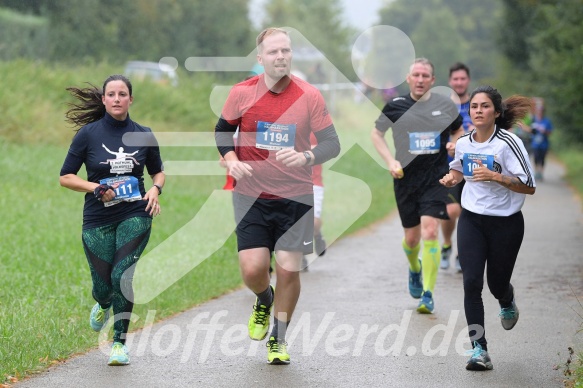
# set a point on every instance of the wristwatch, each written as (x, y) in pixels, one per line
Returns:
(308, 157)
(159, 189)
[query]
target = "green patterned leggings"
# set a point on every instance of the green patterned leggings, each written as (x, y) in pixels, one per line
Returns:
(112, 251)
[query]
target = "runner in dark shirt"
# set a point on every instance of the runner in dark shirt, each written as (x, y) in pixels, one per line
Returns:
(118, 211)
(425, 126)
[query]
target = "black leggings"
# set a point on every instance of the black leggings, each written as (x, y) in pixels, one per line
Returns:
(539, 156)
(111, 250)
(495, 241)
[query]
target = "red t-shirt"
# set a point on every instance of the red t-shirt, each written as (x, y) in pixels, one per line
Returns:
(229, 182)
(300, 109)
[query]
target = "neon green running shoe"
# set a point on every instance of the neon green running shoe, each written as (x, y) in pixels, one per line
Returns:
(98, 317)
(119, 355)
(277, 352)
(259, 320)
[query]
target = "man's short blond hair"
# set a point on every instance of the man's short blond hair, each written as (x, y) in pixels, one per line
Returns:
(423, 61)
(268, 32)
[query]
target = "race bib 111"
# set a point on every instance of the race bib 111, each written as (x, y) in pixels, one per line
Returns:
(127, 190)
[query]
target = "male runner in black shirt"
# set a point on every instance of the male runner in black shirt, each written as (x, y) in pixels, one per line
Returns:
(422, 123)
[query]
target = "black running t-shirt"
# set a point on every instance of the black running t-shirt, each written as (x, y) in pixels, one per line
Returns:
(100, 146)
(421, 130)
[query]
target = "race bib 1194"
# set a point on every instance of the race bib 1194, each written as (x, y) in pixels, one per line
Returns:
(275, 136)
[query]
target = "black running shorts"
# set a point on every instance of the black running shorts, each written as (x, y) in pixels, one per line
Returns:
(277, 224)
(414, 202)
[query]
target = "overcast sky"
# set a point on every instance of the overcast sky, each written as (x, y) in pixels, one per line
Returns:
(360, 14)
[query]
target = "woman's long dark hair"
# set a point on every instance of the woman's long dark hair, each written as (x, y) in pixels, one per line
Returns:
(511, 110)
(90, 107)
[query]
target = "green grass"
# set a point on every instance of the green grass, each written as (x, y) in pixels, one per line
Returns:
(578, 376)
(572, 366)
(46, 287)
(572, 159)
(34, 101)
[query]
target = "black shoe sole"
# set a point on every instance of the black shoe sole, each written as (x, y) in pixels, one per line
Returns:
(277, 361)
(478, 367)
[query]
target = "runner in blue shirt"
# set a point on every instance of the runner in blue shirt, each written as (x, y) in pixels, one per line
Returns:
(541, 129)
(459, 81)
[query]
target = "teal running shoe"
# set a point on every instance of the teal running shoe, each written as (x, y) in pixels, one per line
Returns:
(98, 317)
(509, 316)
(426, 303)
(415, 283)
(119, 355)
(480, 359)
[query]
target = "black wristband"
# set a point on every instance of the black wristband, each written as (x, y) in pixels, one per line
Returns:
(159, 189)
(101, 190)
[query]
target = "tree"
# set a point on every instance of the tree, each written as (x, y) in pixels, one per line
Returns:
(557, 59)
(23, 35)
(320, 22)
(81, 30)
(447, 31)
(439, 26)
(119, 30)
(544, 55)
(515, 30)
(209, 28)
(32, 7)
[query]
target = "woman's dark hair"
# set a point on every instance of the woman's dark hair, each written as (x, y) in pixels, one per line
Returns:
(511, 110)
(90, 108)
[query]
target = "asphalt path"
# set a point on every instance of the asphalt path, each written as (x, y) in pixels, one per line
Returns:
(356, 325)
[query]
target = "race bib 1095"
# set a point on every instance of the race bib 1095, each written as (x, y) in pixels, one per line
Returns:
(424, 142)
